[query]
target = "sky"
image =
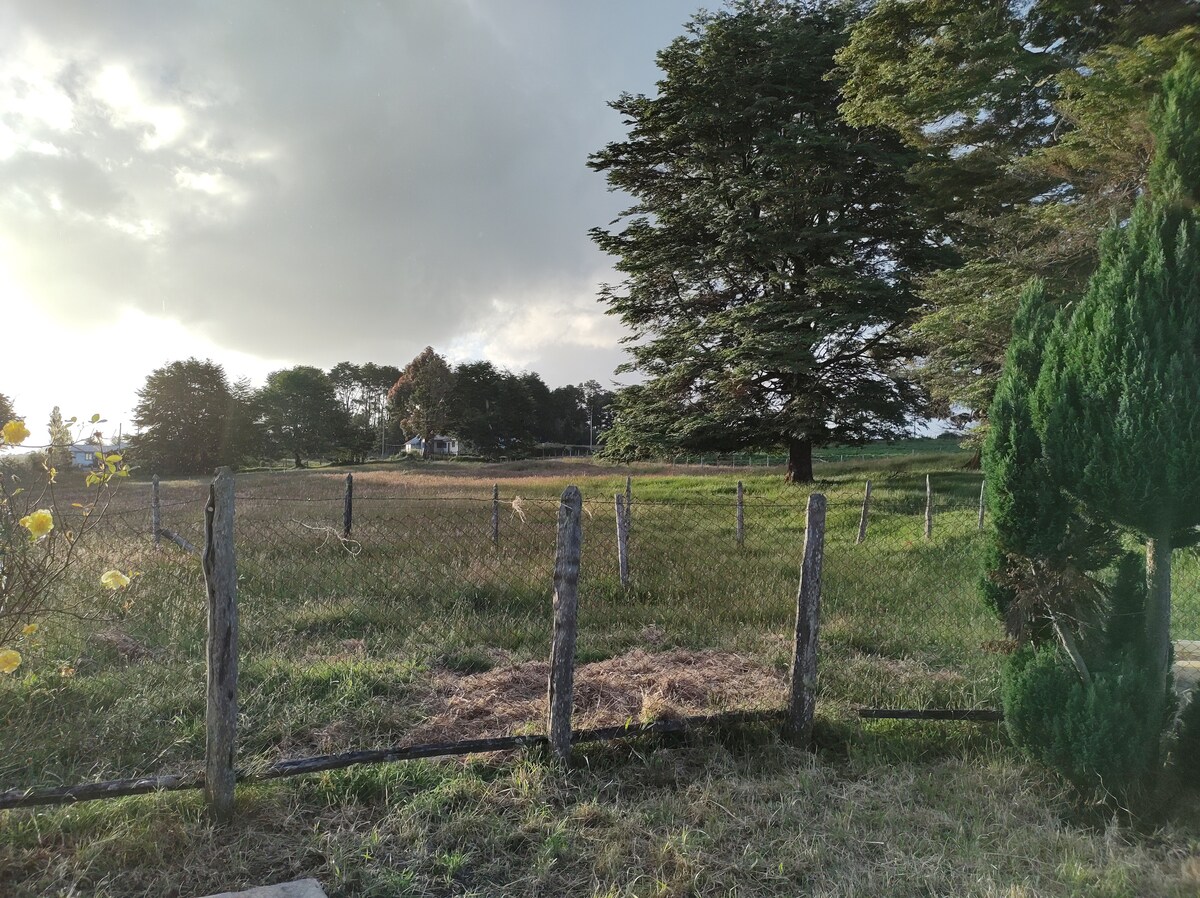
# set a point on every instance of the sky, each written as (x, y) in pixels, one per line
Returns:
(273, 184)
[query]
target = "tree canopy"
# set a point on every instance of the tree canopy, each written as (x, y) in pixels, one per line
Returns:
(769, 256)
(1030, 119)
(188, 416)
(301, 414)
(422, 396)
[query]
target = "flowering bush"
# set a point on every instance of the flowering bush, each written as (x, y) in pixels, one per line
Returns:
(37, 548)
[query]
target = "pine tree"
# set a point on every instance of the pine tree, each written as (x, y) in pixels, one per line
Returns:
(769, 258)
(1116, 403)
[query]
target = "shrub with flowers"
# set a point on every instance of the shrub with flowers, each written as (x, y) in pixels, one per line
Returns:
(40, 542)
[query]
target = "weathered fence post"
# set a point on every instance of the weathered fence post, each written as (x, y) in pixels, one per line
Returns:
(495, 512)
(220, 581)
(622, 539)
(348, 507)
(982, 485)
(803, 699)
(928, 508)
(862, 521)
(741, 518)
(566, 616)
(155, 513)
(628, 505)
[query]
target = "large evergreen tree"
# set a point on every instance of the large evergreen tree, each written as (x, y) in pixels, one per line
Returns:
(187, 414)
(769, 254)
(491, 410)
(301, 414)
(1117, 395)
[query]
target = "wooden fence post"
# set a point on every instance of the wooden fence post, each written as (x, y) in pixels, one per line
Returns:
(495, 512)
(862, 521)
(928, 508)
(220, 581)
(741, 518)
(348, 507)
(628, 505)
(155, 513)
(622, 539)
(982, 485)
(566, 617)
(803, 699)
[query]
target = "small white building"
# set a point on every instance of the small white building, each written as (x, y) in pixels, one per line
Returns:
(444, 446)
(83, 455)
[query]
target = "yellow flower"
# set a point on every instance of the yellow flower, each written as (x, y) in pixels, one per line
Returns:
(66, 671)
(9, 661)
(29, 629)
(15, 432)
(114, 580)
(39, 523)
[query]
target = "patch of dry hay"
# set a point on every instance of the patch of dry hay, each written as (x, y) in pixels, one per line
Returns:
(636, 686)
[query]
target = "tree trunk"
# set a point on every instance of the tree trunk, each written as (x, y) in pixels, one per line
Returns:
(799, 464)
(975, 462)
(426, 445)
(299, 462)
(1158, 603)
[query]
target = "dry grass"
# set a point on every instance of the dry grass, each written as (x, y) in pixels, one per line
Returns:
(636, 686)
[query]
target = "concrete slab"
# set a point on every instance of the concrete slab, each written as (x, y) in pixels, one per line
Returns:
(1187, 663)
(301, 888)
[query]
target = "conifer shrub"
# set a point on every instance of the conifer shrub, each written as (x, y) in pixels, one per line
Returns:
(1105, 736)
(1187, 747)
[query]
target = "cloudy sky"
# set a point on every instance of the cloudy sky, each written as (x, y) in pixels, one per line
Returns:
(276, 183)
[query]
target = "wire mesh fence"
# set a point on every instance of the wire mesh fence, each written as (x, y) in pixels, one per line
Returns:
(429, 620)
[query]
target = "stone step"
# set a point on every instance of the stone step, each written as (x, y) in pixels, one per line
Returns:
(301, 888)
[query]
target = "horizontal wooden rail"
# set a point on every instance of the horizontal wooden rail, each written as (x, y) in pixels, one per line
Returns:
(983, 714)
(24, 798)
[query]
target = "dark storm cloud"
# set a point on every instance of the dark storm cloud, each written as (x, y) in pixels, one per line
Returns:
(322, 181)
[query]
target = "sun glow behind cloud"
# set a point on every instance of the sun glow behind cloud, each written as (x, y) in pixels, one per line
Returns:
(98, 364)
(224, 183)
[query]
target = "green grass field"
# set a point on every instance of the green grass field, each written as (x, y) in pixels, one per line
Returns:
(422, 629)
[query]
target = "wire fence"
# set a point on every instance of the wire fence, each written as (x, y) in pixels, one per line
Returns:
(429, 619)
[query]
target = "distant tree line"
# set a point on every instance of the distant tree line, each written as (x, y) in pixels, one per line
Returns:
(191, 418)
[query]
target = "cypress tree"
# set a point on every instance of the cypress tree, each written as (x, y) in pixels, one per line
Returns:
(1116, 403)
(1044, 546)
(1028, 509)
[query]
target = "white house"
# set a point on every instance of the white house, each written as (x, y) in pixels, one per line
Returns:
(441, 446)
(83, 455)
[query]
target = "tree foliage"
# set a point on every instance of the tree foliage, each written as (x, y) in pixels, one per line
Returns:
(190, 420)
(1117, 393)
(1031, 121)
(301, 414)
(58, 454)
(362, 391)
(769, 255)
(422, 397)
